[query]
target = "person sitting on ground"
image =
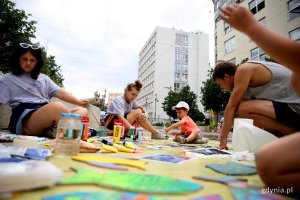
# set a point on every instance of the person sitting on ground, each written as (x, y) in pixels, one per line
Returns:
(28, 92)
(256, 95)
(127, 110)
(277, 162)
(190, 132)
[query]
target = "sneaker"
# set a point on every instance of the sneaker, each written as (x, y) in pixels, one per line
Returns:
(161, 135)
(201, 141)
(181, 140)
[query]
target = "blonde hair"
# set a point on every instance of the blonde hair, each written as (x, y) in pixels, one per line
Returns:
(136, 84)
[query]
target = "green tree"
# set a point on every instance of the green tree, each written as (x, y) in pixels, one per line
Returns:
(213, 97)
(53, 70)
(184, 95)
(15, 27)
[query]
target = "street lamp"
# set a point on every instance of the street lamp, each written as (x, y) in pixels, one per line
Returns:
(155, 100)
(170, 88)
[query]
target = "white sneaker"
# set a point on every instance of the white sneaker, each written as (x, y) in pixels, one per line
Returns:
(161, 135)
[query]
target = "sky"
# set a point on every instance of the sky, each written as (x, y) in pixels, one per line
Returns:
(97, 42)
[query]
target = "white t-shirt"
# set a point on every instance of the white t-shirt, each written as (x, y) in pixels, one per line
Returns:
(120, 106)
(23, 89)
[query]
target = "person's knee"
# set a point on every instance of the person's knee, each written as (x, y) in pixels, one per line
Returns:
(58, 107)
(82, 111)
(243, 109)
(137, 112)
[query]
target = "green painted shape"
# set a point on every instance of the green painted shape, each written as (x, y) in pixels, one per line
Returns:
(134, 182)
(233, 168)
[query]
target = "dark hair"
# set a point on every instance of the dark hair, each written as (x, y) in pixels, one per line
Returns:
(15, 61)
(136, 84)
(223, 68)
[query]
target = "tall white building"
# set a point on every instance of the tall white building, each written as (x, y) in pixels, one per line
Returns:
(280, 16)
(170, 60)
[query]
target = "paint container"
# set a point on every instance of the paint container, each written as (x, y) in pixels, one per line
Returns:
(123, 149)
(139, 136)
(247, 137)
(85, 128)
(117, 133)
(130, 145)
(107, 141)
(132, 131)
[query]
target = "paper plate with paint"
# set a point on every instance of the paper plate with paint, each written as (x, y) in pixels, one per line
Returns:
(132, 182)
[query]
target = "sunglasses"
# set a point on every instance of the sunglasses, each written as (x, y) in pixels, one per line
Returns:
(32, 46)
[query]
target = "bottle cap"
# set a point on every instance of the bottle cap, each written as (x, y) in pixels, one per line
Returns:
(85, 119)
(70, 115)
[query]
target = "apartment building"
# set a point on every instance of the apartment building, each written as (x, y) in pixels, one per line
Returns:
(170, 60)
(280, 16)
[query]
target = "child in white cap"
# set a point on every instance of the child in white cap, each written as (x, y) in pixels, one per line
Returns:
(189, 131)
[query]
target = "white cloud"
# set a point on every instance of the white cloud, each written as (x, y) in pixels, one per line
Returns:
(97, 42)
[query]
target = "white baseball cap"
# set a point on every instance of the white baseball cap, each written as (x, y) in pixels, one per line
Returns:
(181, 104)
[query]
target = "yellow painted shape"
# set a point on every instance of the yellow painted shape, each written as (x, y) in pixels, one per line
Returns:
(109, 148)
(91, 140)
(123, 149)
(119, 161)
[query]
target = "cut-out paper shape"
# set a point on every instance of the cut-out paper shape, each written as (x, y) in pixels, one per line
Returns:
(132, 182)
(251, 194)
(101, 196)
(209, 151)
(233, 168)
(168, 158)
(209, 197)
(224, 180)
(107, 165)
(118, 161)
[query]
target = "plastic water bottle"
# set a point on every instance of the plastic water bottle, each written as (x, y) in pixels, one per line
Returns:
(139, 136)
(69, 129)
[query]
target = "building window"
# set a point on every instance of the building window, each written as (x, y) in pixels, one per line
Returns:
(184, 77)
(177, 76)
(227, 28)
(294, 9)
(176, 86)
(257, 54)
(229, 45)
(295, 34)
(263, 21)
(180, 38)
(256, 5)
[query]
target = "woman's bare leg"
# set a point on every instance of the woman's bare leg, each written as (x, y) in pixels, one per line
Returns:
(135, 115)
(46, 117)
(278, 163)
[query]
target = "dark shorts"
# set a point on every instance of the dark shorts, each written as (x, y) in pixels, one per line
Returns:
(207, 122)
(109, 120)
(19, 114)
(286, 115)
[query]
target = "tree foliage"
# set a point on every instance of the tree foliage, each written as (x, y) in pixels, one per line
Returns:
(15, 27)
(184, 95)
(213, 97)
(53, 70)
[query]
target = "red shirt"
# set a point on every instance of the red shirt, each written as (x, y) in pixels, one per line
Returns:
(189, 126)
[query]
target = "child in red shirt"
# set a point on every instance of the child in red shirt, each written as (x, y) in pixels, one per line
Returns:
(189, 133)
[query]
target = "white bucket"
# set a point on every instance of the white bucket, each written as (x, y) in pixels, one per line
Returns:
(247, 137)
